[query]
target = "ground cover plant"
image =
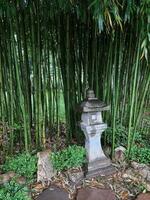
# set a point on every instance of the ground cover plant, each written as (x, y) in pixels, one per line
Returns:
(121, 135)
(23, 164)
(140, 154)
(70, 157)
(140, 151)
(14, 191)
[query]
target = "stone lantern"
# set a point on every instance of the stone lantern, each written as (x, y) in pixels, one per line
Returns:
(93, 126)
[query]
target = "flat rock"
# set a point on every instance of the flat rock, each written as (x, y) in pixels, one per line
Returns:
(45, 168)
(143, 170)
(143, 197)
(95, 194)
(4, 178)
(53, 193)
(136, 165)
(120, 154)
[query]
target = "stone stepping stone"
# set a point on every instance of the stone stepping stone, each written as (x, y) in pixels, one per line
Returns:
(143, 197)
(95, 194)
(53, 193)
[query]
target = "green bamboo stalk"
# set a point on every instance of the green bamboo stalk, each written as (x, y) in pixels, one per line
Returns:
(22, 102)
(132, 99)
(68, 77)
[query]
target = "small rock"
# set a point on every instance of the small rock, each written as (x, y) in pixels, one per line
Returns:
(130, 176)
(120, 154)
(45, 168)
(142, 169)
(21, 180)
(11, 174)
(4, 178)
(148, 187)
(75, 176)
(136, 165)
(143, 197)
(145, 173)
(53, 193)
(95, 194)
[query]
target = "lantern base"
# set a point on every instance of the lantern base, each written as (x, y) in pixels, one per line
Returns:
(101, 167)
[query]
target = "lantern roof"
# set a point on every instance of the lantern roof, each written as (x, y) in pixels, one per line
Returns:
(92, 104)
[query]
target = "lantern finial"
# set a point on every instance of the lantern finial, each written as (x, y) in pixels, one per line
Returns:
(90, 94)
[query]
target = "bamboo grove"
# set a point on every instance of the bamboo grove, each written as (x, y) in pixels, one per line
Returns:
(54, 49)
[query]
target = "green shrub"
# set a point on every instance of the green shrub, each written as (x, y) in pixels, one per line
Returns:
(120, 135)
(140, 154)
(141, 140)
(73, 156)
(23, 164)
(14, 191)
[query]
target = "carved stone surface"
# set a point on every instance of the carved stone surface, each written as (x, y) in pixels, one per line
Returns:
(91, 103)
(92, 142)
(45, 169)
(95, 194)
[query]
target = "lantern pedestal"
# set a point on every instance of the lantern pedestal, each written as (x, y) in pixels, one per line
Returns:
(98, 163)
